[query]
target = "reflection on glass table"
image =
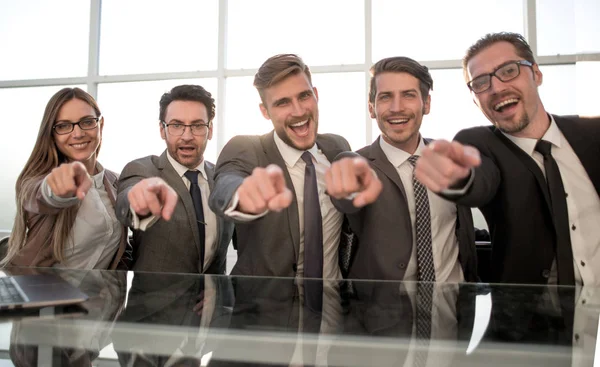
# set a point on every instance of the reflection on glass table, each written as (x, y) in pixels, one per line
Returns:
(181, 319)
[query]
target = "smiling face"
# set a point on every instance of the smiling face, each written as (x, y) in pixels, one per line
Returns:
(399, 109)
(291, 105)
(79, 145)
(187, 149)
(515, 106)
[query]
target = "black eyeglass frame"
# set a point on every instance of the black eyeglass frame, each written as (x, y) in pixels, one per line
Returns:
(493, 73)
(166, 126)
(78, 123)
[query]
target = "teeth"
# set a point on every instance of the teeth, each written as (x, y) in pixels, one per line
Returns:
(79, 146)
(299, 123)
(398, 121)
(504, 103)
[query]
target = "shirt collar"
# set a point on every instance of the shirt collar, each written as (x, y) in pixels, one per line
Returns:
(397, 156)
(98, 178)
(181, 169)
(290, 154)
(552, 135)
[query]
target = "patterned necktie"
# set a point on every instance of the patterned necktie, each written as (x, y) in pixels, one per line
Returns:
(313, 236)
(197, 200)
(564, 254)
(426, 269)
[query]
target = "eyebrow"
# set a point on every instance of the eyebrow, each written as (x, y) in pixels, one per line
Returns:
(176, 121)
(403, 91)
(84, 117)
(287, 99)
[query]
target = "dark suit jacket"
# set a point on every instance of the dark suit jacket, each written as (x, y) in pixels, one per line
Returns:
(172, 246)
(267, 246)
(511, 192)
(384, 228)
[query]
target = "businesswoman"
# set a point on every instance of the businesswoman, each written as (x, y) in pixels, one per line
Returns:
(65, 198)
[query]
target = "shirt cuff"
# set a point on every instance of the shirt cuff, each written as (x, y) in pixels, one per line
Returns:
(51, 199)
(239, 216)
(141, 224)
(463, 190)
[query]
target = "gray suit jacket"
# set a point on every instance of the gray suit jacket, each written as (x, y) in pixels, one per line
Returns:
(384, 228)
(172, 246)
(268, 246)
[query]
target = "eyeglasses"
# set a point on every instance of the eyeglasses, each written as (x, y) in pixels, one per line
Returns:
(505, 73)
(178, 129)
(86, 123)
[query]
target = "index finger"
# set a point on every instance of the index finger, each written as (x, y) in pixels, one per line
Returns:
(276, 175)
(169, 201)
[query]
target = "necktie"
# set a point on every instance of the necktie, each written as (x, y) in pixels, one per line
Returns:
(313, 236)
(197, 200)
(564, 254)
(425, 266)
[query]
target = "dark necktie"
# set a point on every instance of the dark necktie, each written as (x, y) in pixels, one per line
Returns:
(564, 254)
(425, 266)
(313, 236)
(197, 200)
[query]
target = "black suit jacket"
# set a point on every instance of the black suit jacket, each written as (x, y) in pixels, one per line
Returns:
(511, 192)
(172, 246)
(268, 246)
(384, 228)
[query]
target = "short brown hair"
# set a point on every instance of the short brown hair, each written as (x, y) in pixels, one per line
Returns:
(187, 92)
(401, 64)
(276, 69)
(515, 39)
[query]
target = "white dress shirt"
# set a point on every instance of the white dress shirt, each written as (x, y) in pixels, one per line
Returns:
(210, 233)
(331, 218)
(444, 244)
(96, 233)
(583, 203)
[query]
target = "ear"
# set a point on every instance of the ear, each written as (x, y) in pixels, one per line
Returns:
(316, 93)
(101, 124)
(427, 105)
(538, 77)
(210, 130)
(264, 111)
(372, 110)
(163, 134)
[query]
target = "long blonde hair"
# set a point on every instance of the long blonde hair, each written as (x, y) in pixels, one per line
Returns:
(44, 157)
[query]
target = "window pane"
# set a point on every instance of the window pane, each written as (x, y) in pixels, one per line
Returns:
(452, 107)
(242, 114)
(579, 29)
(342, 107)
(44, 39)
(587, 91)
(131, 126)
(23, 109)
(423, 30)
(557, 80)
(332, 35)
(144, 37)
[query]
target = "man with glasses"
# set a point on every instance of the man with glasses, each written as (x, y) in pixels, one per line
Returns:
(165, 199)
(535, 176)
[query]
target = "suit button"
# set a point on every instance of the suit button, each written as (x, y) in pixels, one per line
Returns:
(402, 265)
(546, 273)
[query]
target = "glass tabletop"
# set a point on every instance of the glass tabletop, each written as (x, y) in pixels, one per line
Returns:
(159, 319)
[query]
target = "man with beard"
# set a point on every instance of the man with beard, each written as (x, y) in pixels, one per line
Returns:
(535, 176)
(408, 233)
(175, 187)
(264, 182)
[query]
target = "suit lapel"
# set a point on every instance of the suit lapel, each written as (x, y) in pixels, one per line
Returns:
(529, 163)
(273, 155)
(582, 146)
(168, 173)
(210, 176)
(380, 160)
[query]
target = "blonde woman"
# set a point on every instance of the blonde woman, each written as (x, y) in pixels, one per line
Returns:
(65, 198)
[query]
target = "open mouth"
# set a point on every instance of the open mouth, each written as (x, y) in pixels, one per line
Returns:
(506, 105)
(398, 121)
(300, 128)
(80, 146)
(187, 150)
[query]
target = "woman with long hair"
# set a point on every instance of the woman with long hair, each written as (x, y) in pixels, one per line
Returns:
(65, 198)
